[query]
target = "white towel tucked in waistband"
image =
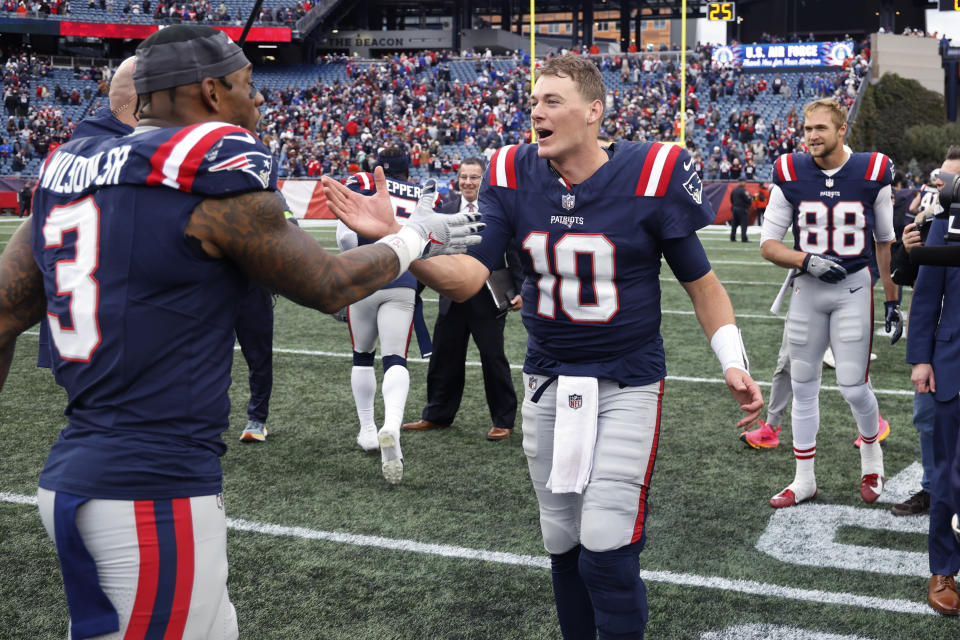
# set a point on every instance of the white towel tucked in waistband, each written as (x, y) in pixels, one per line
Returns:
(574, 434)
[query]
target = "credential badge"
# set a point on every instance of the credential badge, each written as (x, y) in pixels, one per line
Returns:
(829, 182)
(575, 400)
(567, 200)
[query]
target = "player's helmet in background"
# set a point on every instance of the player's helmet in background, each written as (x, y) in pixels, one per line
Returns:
(395, 162)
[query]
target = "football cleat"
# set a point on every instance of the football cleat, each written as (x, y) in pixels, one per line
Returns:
(763, 437)
(871, 486)
(255, 432)
(367, 438)
(884, 432)
(391, 457)
(787, 498)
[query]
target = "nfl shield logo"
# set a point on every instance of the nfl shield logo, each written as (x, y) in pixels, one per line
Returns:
(829, 182)
(567, 200)
(575, 400)
(532, 383)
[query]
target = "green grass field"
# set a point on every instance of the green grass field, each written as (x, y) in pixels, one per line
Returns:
(321, 547)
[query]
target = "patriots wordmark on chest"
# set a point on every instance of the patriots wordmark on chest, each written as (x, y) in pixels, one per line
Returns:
(575, 400)
(567, 201)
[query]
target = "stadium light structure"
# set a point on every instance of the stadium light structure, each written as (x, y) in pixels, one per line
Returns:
(683, 74)
(253, 16)
(533, 57)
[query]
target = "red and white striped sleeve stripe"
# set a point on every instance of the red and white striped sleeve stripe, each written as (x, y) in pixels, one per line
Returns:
(785, 170)
(503, 173)
(657, 169)
(175, 162)
(365, 180)
(877, 165)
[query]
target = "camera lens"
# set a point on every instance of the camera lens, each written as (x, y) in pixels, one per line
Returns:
(950, 193)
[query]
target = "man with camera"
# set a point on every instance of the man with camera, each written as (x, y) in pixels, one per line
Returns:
(933, 347)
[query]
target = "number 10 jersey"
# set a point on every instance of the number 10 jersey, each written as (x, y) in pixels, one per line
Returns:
(591, 254)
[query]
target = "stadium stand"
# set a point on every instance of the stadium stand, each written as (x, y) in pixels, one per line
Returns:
(332, 116)
(157, 11)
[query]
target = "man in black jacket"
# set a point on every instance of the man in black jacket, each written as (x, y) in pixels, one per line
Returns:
(456, 322)
(740, 201)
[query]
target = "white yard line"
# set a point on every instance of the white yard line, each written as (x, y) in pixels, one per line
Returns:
(541, 562)
(474, 363)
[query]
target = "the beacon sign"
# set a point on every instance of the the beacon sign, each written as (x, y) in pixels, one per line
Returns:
(785, 55)
(405, 39)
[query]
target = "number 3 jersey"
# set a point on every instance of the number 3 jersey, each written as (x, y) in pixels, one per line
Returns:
(141, 318)
(591, 254)
(834, 212)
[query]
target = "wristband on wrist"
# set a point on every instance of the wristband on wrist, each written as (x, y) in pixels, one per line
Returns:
(727, 344)
(407, 244)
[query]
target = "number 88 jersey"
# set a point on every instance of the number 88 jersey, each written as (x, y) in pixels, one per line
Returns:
(837, 213)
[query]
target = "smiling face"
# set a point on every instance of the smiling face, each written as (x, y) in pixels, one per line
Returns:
(563, 120)
(821, 133)
(469, 180)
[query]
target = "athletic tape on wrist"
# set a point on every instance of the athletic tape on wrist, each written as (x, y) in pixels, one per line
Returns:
(407, 244)
(727, 344)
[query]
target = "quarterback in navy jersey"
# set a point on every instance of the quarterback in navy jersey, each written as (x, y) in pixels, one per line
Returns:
(592, 225)
(841, 208)
(137, 252)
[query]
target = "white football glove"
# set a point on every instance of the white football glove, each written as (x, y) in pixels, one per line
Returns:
(824, 267)
(443, 233)
(428, 233)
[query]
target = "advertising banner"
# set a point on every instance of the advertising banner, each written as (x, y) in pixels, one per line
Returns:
(784, 54)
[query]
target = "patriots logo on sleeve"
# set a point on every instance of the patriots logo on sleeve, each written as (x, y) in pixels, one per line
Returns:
(255, 163)
(694, 187)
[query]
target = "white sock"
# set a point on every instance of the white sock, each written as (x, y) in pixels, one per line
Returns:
(805, 415)
(804, 482)
(363, 381)
(396, 384)
(871, 458)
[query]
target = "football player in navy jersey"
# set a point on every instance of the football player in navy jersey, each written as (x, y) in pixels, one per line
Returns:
(840, 206)
(119, 118)
(137, 252)
(387, 315)
(592, 225)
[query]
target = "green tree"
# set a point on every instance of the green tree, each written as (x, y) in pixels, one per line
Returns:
(889, 108)
(928, 142)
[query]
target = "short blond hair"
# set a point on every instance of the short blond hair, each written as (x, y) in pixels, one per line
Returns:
(585, 75)
(838, 112)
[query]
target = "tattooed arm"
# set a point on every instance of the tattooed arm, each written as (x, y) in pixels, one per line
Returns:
(251, 230)
(21, 295)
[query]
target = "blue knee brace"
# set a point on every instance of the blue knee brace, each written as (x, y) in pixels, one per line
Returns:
(361, 359)
(393, 361)
(618, 594)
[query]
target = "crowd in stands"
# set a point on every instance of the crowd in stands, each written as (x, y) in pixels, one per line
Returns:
(335, 127)
(157, 10)
(36, 125)
(36, 8)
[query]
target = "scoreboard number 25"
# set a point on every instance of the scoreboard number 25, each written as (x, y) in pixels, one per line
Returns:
(721, 11)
